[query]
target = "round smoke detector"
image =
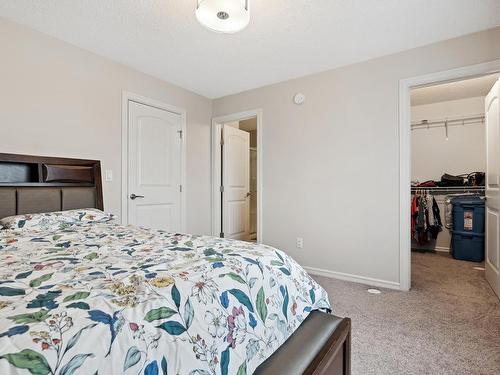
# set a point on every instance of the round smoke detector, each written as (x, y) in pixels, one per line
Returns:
(299, 98)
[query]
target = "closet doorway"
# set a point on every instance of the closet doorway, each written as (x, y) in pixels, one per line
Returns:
(236, 176)
(454, 160)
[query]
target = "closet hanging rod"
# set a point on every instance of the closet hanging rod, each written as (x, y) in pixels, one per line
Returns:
(469, 120)
(449, 188)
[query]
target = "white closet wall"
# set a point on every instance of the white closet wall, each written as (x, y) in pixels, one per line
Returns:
(433, 155)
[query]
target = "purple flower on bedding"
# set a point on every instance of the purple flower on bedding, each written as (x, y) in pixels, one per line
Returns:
(237, 325)
(221, 306)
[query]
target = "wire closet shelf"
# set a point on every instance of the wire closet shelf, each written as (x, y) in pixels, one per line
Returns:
(478, 119)
(448, 189)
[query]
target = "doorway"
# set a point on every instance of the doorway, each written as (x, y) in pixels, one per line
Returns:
(153, 155)
(237, 177)
(449, 125)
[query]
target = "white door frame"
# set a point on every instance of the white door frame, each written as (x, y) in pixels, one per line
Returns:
(216, 172)
(126, 98)
(405, 86)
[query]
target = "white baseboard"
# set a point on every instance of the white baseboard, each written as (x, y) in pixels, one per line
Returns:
(442, 249)
(353, 278)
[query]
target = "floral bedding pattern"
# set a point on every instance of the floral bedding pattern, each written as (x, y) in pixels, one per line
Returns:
(55, 219)
(100, 298)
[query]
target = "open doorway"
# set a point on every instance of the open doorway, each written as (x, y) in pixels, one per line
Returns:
(237, 178)
(454, 170)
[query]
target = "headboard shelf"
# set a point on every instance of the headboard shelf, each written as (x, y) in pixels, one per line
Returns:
(33, 184)
(45, 184)
(19, 172)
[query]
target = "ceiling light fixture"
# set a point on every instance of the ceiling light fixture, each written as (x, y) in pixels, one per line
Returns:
(223, 16)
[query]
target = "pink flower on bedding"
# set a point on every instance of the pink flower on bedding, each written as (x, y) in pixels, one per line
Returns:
(237, 326)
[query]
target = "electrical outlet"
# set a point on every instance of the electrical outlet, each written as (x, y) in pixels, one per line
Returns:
(300, 242)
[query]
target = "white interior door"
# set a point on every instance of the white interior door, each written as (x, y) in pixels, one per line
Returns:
(236, 183)
(154, 167)
(253, 192)
(492, 108)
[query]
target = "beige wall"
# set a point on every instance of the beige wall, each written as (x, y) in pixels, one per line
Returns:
(331, 166)
(250, 125)
(56, 99)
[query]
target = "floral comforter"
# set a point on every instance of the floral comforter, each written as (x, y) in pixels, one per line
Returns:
(99, 298)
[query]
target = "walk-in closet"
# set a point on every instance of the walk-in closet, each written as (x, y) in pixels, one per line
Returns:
(454, 144)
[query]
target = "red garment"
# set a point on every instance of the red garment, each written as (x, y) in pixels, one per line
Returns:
(414, 212)
(429, 183)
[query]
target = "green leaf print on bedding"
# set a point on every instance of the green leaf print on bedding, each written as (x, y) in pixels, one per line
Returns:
(36, 317)
(76, 296)
(30, 360)
(161, 313)
(38, 281)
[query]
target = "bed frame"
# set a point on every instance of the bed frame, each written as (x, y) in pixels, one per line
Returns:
(35, 184)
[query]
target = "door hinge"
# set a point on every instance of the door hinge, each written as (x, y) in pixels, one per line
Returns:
(222, 189)
(222, 140)
(180, 133)
(180, 188)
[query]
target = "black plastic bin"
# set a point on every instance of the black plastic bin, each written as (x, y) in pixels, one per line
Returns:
(467, 241)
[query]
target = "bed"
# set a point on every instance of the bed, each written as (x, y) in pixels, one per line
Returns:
(81, 294)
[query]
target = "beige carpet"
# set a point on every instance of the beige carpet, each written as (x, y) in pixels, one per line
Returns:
(449, 323)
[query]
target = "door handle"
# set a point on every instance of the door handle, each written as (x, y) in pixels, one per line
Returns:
(248, 194)
(133, 196)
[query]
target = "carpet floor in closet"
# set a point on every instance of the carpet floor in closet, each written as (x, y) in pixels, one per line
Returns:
(449, 323)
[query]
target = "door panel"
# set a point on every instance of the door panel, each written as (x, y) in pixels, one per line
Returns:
(236, 224)
(154, 157)
(154, 168)
(235, 148)
(236, 182)
(492, 146)
(160, 216)
(492, 241)
(492, 188)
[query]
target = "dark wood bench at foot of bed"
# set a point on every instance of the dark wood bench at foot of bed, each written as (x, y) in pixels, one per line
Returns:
(321, 345)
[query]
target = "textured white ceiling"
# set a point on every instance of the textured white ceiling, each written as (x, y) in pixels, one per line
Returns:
(285, 38)
(470, 88)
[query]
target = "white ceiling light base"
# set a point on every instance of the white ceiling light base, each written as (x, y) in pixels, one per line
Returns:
(223, 16)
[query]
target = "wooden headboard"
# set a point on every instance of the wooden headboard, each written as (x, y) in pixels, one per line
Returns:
(34, 184)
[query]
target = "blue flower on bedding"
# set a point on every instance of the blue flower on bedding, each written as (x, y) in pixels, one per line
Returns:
(115, 323)
(80, 294)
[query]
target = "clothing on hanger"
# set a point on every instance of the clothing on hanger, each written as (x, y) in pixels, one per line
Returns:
(425, 217)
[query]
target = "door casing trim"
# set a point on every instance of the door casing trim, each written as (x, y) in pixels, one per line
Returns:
(128, 96)
(405, 86)
(216, 172)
